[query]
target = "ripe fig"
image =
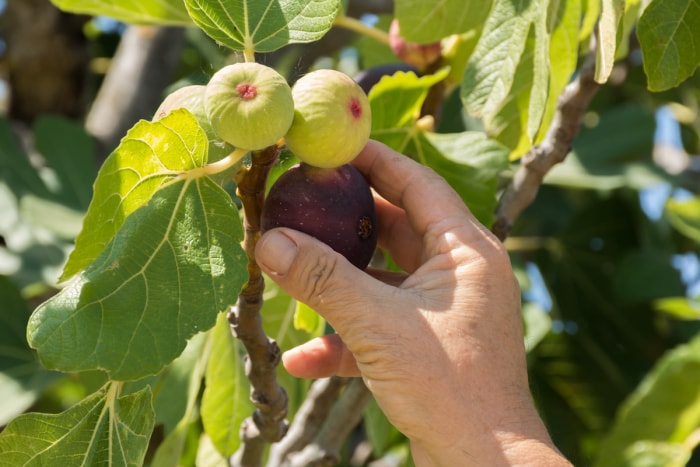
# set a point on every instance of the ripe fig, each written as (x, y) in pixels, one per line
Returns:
(192, 99)
(332, 119)
(249, 105)
(418, 55)
(334, 205)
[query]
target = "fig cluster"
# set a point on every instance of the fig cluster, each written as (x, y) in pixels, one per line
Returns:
(324, 120)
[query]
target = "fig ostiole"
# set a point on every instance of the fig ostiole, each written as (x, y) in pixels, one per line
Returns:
(332, 119)
(249, 105)
(334, 205)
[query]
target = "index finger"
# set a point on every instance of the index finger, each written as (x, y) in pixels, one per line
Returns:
(425, 196)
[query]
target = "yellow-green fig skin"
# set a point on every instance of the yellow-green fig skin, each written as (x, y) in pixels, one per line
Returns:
(249, 105)
(332, 119)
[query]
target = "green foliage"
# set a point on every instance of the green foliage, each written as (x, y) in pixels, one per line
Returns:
(263, 26)
(103, 428)
(167, 12)
(653, 428)
(225, 402)
(668, 35)
(157, 260)
(426, 22)
(173, 265)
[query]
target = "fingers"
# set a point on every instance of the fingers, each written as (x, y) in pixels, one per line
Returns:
(314, 274)
(418, 190)
(319, 358)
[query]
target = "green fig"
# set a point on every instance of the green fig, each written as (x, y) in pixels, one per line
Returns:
(249, 105)
(332, 119)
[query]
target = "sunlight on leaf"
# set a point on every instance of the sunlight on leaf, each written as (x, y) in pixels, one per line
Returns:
(263, 25)
(103, 429)
(225, 402)
(306, 319)
(506, 82)
(425, 22)
(164, 12)
(149, 156)
(610, 17)
(172, 267)
(685, 216)
(668, 36)
(650, 416)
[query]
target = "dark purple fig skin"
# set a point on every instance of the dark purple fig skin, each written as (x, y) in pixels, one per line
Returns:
(333, 205)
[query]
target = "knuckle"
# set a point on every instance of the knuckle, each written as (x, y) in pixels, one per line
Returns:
(317, 278)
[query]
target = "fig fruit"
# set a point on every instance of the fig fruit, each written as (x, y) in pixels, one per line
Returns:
(249, 105)
(332, 119)
(333, 205)
(192, 98)
(418, 55)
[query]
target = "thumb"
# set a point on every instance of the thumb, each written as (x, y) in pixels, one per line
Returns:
(311, 272)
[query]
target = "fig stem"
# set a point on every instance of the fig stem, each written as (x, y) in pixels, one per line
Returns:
(249, 54)
(268, 423)
(358, 26)
(227, 162)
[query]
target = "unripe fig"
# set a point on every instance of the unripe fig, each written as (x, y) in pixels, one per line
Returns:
(333, 205)
(192, 99)
(419, 55)
(332, 119)
(249, 105)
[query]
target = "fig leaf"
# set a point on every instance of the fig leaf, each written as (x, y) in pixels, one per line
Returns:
(263, 25)
(174, 264)
(150, 155)
(102, 427)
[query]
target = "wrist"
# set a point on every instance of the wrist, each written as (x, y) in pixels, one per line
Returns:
(524, 442)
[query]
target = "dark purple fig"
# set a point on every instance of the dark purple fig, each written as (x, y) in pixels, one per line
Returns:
(333, 205)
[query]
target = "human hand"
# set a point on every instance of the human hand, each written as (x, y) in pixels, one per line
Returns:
(441, 351)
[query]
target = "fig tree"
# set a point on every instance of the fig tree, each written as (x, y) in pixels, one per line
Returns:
(332, 119)
(333, 205)
(249, 105)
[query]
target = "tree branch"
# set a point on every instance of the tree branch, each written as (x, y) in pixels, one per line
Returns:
(345, 415)
(268, 424)
(307, 422)
(534, 165)
(142, 67)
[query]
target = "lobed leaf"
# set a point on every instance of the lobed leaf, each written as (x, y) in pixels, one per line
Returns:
(103, 429)
(149, 156)
(175, 263)
(670, 43)
(425, 22)
(263, 25)
(164, 12)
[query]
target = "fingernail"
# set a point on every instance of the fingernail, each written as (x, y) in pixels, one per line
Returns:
(276, 252)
